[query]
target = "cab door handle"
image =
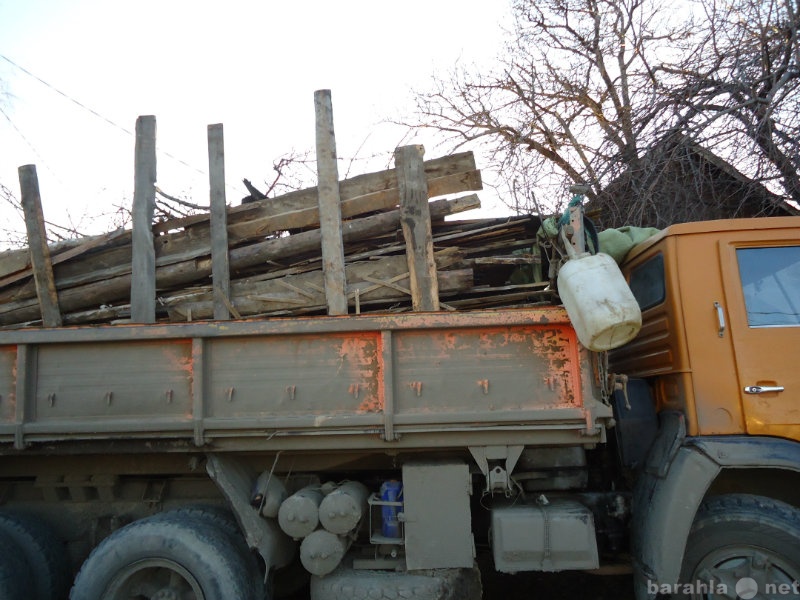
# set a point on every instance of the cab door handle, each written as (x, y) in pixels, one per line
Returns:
(762, 389)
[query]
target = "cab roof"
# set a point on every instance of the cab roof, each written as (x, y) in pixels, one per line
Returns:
(718, 226)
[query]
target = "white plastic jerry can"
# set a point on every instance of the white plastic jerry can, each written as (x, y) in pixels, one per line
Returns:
(599, 302)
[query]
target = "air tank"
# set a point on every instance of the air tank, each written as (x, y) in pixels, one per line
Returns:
(342, 509)
(322, 551)
(268, 494)
(299, 513)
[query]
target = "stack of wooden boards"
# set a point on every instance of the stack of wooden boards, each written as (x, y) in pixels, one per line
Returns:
(276, 261)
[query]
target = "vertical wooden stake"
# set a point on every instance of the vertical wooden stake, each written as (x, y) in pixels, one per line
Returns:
(220, 265)
(330, 210)
(143, 260)
(37, 243)
(415, 220)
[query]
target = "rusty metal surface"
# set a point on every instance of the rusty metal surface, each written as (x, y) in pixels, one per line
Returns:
(348, 382)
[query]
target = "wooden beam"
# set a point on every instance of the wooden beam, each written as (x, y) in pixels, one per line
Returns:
(220, 264)
(415, 219)
(446, 175)
(361, 194)
(377, 280)
(37, 243)
(143, 259)
(116, 288)
(330, 211)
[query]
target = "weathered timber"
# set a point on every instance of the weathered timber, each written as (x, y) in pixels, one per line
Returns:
(220, 266)
(507, 295)
(381, 280)
(15, 265)
(488, 241)
(37, 242)
(415, 220)
(523, 259)
(143, 260)
(292, 211)
(330, 213)
(300, 215)
(115, 289)
(446, 175)
(450, 282)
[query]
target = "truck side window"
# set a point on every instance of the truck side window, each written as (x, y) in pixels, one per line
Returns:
(771, 284)
(647, 282)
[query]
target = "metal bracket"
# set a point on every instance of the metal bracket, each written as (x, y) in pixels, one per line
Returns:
(498, 477)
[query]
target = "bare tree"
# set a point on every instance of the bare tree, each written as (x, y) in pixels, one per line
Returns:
(573, 101)
(738, 91)
(607, 92)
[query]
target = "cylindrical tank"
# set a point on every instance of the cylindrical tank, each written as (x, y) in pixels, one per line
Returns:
(391, 491)
(322, 551)
(342, 509)
(599, 302)
(268, 494)
(298, 515)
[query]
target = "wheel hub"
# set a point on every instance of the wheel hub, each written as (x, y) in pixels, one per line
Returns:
(166, 594)
(745, 572)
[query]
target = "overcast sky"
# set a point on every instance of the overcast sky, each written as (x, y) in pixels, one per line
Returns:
(253, 66)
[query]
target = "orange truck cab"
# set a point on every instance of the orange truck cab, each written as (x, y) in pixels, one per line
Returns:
(718, 499)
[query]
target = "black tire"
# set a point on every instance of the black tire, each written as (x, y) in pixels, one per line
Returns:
(43, 552)
(223, 520)
(168, 556)
(737, 538)
(15, 576)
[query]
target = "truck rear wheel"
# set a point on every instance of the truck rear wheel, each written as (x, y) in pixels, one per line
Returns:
(748, 544)
(164, 558)
(223, 520)
(15, 577)
(43, 553)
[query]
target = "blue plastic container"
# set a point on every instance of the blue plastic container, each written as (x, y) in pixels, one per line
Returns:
(391, 491)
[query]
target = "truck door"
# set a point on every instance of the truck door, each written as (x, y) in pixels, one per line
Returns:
(762, 289)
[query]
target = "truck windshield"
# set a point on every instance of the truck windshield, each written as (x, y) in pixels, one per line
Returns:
(771, 284)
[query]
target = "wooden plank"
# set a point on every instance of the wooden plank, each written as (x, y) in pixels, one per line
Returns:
(450, 174)
(114, 289)
(330, 212)
(220, 266)
(37, 243)
(382, 280)
(143, 259)
(296, 211)
(415, 220)
(109, 256)
(291, 211)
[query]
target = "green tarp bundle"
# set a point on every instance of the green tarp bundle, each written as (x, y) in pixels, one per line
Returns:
(618, 242)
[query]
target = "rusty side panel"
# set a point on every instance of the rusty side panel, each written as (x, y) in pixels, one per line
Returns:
(487, 369)
(112, 381)
(349, 382)
(293, 375)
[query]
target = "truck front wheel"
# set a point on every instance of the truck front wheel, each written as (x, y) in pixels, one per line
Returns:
(164, 558)
(744, 546)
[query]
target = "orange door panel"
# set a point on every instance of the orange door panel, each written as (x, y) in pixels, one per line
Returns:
(762, 289)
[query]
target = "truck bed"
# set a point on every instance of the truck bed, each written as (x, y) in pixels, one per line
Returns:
(414, 380)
